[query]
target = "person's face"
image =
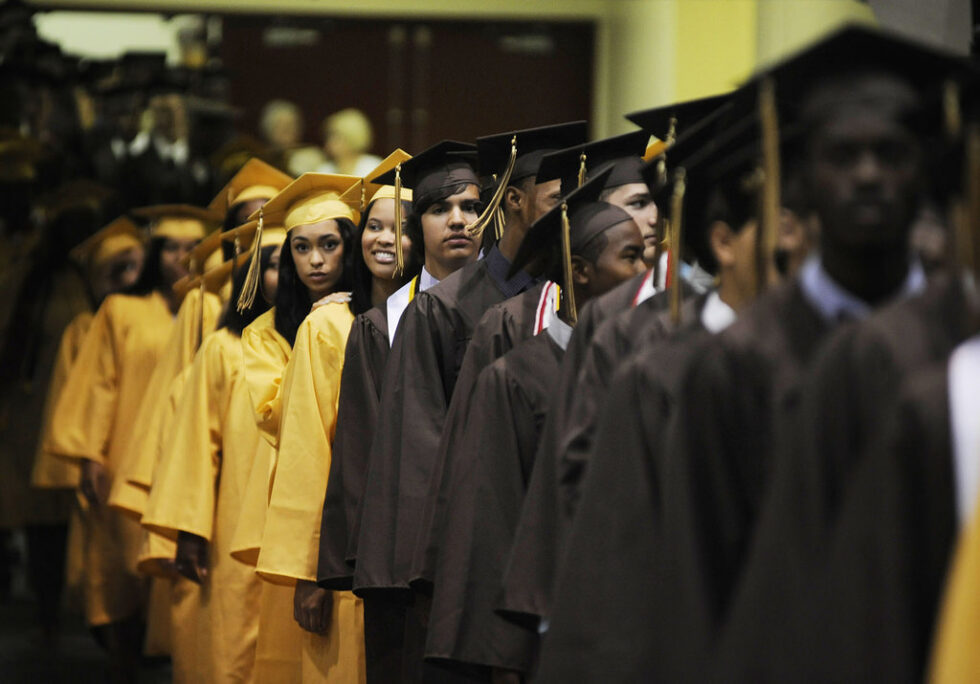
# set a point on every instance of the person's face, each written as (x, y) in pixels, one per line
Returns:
(270, 277)
(117, 273)
(620, 259)
(378, 240)
(338, 146)
(171, 258)
(447, 245)
(865, 179)
(318, 252)
(544, 197)
(242, 210)
(636, 200)
(284, 130)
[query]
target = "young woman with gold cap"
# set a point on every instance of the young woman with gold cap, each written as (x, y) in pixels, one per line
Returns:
(316, 264)
(111, 260)
(197, 490)
(94, 420)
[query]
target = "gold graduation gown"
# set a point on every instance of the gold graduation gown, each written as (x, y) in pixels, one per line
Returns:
(291, 538)
(955, 657)
(198, 487)
(94, 419)
(54, 472)
(278, 649)
(129, 491)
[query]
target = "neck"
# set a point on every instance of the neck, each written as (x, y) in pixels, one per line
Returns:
(873, 277)
(514, 231)
(730, 292)
(382, 288)
(173, 301)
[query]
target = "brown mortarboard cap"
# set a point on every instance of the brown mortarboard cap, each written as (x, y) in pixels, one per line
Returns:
(439, 167)
(574, 164)
(531, 144)
(672, 119)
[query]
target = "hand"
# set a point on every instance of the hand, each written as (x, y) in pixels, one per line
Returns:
(192, 556)
(312, 606)
(334, 297)
(94, 482)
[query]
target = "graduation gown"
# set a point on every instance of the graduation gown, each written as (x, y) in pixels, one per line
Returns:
(94, 419)
(502, 327)
(739, 404)
(291, 538)
(530, 569)
(425, 360)
(848, 395)
(198, 488)
(599, 628)
(490, 476)
(357, 418)
(130, 490)
(266, 354)
(881, 586)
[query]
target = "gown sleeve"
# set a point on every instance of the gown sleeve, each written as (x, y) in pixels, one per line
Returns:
(311, 387)
(266, 354)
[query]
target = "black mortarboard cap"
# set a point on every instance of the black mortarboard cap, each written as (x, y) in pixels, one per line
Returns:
(659, 121)
(623, 151)
(444, 165)
(531, 144)
(587, 217)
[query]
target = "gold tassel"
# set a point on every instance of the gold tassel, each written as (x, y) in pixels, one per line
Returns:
(566, 250)
(581, 170)
(363, 197)
(952, 113)
(676, 228)
(498, 222)
(476, 228)
(399, 252)
(251, 285)
(771, 204)
(200, 316)
(234, 259)
(669, 141)
(663, 226)
(972, 196)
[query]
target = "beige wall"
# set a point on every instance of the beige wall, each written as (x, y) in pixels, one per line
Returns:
(648, 52)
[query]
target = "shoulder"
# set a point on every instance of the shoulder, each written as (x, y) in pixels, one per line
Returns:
(329, 323)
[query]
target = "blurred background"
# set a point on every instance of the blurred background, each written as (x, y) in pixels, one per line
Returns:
(107, 105)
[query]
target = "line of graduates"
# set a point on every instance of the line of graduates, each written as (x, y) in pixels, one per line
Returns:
(544, 409)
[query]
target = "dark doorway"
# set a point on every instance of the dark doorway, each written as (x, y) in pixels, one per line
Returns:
(418, 82)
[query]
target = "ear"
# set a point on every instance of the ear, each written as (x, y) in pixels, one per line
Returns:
(514, 199)
(582, 271)
(721, 237)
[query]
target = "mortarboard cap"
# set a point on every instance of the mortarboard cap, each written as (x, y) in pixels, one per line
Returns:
(244, 234)
(255, 180)
(365, 191)
(178, 221)
(119, 236)
(669, 120)
(527, 147)
(311, 198)
(444, 165)
(574, 164)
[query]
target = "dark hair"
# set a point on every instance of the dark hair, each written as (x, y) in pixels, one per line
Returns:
(235, 320)
(292, 298)
(361, 277)
(413, 227)
(151, 277)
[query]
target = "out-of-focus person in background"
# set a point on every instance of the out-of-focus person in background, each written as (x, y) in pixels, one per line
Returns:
(347, 138)
(281, 126)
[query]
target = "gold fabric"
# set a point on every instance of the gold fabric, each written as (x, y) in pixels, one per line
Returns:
(266, 353)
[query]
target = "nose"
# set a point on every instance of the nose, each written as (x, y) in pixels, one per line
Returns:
(456, 217)
(316, 258)
(387, 237)
(867, 170)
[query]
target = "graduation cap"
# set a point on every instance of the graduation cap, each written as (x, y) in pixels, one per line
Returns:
(196, 261)
(366, 191)
(447, 164)
(571, 224)
(243, 235)
(516, 155)
(255, 180)
(119, 236)
(178, 221)
(311, 198)
(572, 165)
(668, 121)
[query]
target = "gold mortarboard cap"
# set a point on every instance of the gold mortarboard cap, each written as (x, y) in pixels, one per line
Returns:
(311, 198)
(119, 236)
(186, 284)
(255, 180)
(245, 233)
(197, 258)
(178, 221)
(365, 192)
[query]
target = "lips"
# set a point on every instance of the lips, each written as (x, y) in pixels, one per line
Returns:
(459, 241)
(318, 277)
